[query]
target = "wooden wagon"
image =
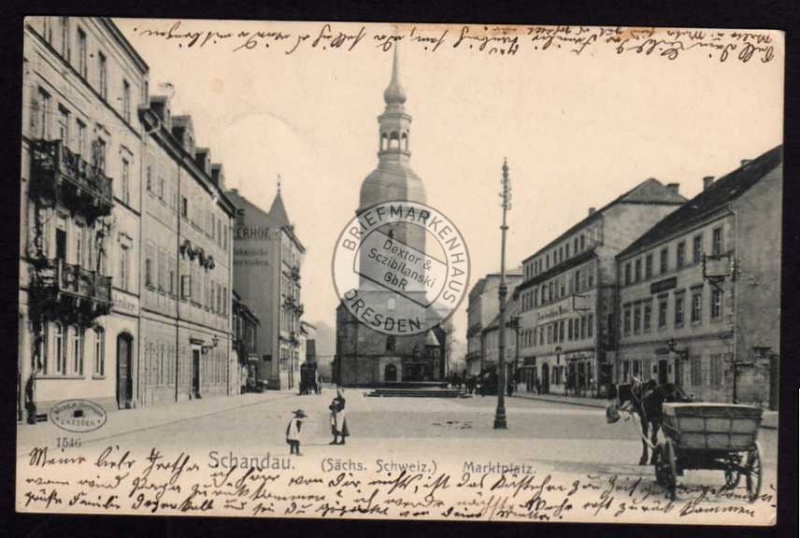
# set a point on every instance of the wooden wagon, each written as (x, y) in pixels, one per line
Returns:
(710, 436)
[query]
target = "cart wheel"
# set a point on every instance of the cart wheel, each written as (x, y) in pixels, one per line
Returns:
(753, 473)
(733, 471)
(671, 469)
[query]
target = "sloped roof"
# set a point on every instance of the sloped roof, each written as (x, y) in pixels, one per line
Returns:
(512, 309)
(278, 212)
(649, 191)
(716, 196)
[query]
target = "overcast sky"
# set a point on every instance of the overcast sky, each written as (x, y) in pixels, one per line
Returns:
(578, 130)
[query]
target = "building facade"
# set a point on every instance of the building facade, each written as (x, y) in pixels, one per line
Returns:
(482, 309)
(365, 357)
(699, 301)
(491, 342)
(268, 260)
(245, 344)
(80, 213)
(568, 294)
(186, 255)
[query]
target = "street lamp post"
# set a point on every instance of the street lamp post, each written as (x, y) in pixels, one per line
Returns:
(500, 414)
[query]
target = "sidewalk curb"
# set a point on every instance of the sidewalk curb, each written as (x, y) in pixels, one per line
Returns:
(597, 405)
(176, 419)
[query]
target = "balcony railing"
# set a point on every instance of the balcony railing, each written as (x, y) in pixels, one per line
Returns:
(71, 287)
(60, 175)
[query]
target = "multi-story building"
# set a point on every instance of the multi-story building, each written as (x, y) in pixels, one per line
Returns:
(490, 337)
(700, 291)
(308, 342)
(268, 257)
(567, 297)
(483, 307)
(186, 254)
(245, 339)
(80, 206)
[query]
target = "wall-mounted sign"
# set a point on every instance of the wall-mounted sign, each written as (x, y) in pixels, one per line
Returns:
(124, 303)
(663, 285)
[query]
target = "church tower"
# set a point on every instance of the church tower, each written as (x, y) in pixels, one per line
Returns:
(393, 179)
(365, 357)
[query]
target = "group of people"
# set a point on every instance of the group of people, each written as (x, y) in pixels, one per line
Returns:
(338, 422)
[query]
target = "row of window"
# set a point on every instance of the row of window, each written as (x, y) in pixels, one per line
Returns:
(563, 330)
(570, 247)
(703, 370)
(43, 111)
(642, 268)
(216, 228)
(160, 274)
(64, 349)
(99, 76)
(159, 364)
(562, 286)
(638, 317)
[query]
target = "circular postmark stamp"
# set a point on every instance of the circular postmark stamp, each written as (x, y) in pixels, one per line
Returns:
(401, 267)
(78, 415)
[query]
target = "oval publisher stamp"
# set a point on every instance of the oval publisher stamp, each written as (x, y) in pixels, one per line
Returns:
(78, 415)
(401, 267)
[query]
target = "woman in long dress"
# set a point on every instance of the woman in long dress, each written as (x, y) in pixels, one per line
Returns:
(338, 419)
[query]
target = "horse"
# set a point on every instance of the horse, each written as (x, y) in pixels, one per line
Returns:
(644, 400)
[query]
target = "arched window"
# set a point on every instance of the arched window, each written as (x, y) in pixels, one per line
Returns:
(390, 343)
(99, 352)
(384, 141)
(404, 139)
(58, 349)
(394, 140)
(77, 350)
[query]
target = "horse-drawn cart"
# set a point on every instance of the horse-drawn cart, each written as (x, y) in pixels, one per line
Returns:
(710, 436)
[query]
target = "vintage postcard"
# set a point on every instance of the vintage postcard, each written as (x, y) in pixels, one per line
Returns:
(400, 271)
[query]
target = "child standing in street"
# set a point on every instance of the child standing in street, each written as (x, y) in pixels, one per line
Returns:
(293, 432)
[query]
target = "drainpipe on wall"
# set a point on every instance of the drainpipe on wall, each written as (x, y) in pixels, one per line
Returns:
(734, 327)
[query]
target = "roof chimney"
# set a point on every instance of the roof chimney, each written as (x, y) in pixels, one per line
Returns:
(592, 210)
(745, 162)
(707, 181)
(674, 188)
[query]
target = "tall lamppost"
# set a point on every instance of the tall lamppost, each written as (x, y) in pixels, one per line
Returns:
(500, 414)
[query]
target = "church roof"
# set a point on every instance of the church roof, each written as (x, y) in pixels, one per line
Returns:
(391, 181)
(431, 339)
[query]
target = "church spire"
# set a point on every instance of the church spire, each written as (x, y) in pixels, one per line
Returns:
(395, 94)
(394, 122)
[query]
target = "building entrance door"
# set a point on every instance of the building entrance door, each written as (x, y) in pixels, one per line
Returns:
(196, 373)
(390, 373)
(662, 371)
(124, 371)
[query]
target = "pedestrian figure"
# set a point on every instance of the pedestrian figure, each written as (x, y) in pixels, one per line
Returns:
(338, 419)
(293, 432)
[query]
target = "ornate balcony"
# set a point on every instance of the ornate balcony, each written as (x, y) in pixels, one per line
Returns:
(59, 175)
(71, 292)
